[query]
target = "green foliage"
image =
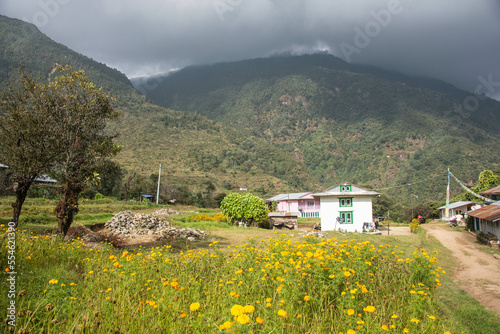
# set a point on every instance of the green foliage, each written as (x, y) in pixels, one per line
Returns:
(244, 207)
(487, 179)
(344, 122)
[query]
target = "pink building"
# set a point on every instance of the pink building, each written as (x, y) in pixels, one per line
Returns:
(303, 204)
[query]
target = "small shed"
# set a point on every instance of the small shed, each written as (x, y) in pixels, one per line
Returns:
(283, 220)
(149, 197)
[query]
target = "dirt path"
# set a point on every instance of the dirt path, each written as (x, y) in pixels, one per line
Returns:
(478, 272)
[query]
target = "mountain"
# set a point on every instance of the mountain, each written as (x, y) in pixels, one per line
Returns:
(346, 122)
(290, 123)
(191, 148)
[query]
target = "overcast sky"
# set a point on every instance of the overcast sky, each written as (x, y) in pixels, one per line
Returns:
(454, 40)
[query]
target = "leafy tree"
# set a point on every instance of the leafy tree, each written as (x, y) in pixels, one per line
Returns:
(244, 207)
(26, 139)
(80, 140)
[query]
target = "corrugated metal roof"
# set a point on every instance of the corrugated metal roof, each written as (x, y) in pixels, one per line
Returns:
(457, 204)
(490, 212)
(45, 178)
(291, 196)
(492, 191)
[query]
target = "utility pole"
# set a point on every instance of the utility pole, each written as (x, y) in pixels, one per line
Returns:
(447, 210)
(388, 222)
(158, 190)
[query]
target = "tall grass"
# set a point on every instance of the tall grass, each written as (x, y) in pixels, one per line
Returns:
(278, 285)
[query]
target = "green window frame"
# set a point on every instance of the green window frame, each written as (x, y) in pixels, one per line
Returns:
(347, 216)
(345, 188)
(345, 202)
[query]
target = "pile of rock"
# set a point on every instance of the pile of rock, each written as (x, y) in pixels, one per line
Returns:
(165, 212)
(130, 224)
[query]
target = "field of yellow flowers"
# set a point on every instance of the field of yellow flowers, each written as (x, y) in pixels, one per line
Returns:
(277, 285)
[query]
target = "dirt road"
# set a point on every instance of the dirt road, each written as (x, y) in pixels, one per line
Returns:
(478, 272)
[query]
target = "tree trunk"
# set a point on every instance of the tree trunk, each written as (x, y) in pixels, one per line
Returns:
(21, 191)
(67, 208)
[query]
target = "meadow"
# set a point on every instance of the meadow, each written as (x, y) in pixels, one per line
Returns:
(239, 280)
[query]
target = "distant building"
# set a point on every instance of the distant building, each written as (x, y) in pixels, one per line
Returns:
(304, 205)
(493, 194)
(487, 219)
(7, 186)
(346, 207)
(456, 208)
(243, 189)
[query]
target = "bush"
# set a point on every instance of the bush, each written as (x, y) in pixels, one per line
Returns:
(246, 208)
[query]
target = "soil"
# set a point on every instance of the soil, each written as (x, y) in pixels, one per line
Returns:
(477, 272)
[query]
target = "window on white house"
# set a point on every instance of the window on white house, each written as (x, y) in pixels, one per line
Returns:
(345, 188)
(346, 217)
(345, 202)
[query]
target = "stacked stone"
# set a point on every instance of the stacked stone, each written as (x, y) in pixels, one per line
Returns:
(130, 224)
(165, 212)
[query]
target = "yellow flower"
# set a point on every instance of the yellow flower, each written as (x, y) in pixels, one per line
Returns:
(431, 317)
(406, 330)
(268, 300)
(282, 313)
(91, 272)
(237, 310)
(347, 274)
(299, 316)
(194, 306)
(243, 319)
(351, 331)
(227, 325)
(360, 322)
(248, 309)
(369, 308)
(385, 328)
(350, 311)
(307, 298)
(259, 320)
(108, 298)
(415, 320)
(394, 316)
(53, 281)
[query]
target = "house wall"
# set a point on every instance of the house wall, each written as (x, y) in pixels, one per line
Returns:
(489, 227)
(361, 213)
(305, 209)
(453, 212)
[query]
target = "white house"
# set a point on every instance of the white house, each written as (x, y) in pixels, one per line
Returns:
(487, 219)
(345, 207)
(456, 208)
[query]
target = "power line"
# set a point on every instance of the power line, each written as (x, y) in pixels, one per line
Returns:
(408, 184)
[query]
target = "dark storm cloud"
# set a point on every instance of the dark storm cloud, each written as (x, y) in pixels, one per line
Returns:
(453, 40)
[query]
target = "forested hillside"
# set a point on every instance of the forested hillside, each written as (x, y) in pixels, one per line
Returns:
(195, 151)
(345, 122)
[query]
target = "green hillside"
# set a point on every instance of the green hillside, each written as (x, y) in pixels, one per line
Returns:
(345, 122)
(191, 148)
